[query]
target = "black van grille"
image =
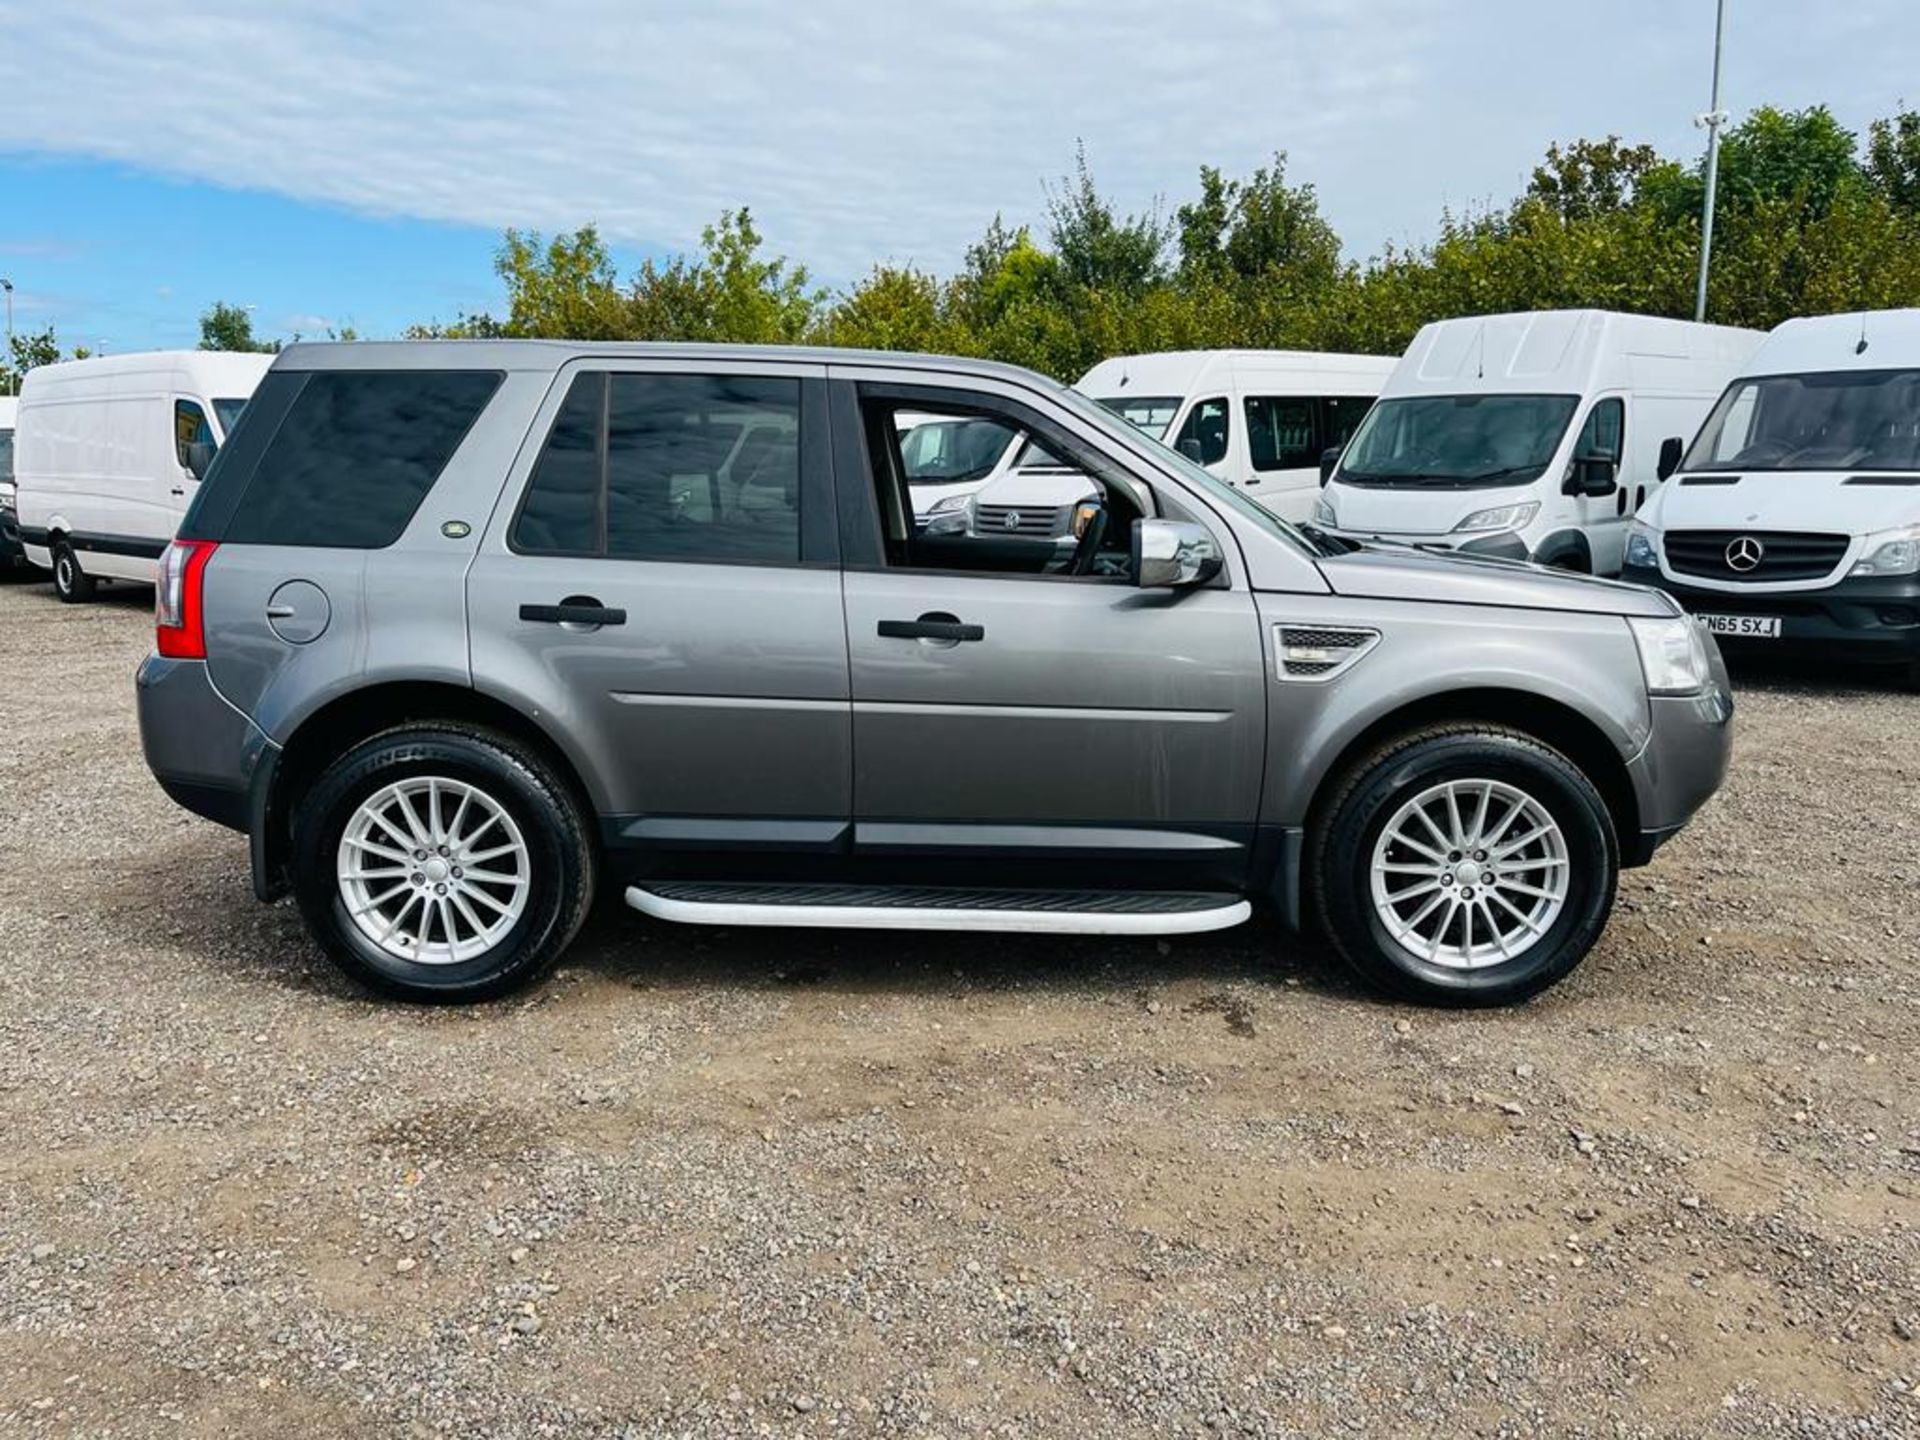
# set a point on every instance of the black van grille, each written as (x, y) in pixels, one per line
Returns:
(1754, 555)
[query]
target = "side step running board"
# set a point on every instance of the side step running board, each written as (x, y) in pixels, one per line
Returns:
(1043, 912)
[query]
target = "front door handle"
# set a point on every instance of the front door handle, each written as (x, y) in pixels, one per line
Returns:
(931, 627)
(574, 610)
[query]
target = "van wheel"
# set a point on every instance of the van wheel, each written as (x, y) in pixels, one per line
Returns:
(441, 863)
(70, 582)
(1464, 865)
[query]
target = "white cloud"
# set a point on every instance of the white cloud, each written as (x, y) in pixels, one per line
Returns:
(866, 131)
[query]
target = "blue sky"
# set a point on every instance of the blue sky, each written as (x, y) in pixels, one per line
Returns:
(331, 163)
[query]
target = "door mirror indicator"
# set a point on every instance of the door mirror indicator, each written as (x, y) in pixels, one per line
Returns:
(1329, 462)
(1671, 449)
(1169, 554)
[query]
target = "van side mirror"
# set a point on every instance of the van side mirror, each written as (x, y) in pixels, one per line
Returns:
(1189, 446)
(1329, 462)
(1168, 554)
(1671, 449)
(199, 457)
(1591, 475)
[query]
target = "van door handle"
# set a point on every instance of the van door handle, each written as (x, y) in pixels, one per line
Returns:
(931, 627)
(574, 610)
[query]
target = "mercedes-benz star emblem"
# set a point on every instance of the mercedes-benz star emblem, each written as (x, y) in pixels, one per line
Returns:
(1012, 520)
(1745, 554)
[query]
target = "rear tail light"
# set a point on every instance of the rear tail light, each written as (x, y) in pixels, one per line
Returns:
(179, 627)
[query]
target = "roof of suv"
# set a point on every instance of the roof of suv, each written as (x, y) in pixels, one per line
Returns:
(551, 354)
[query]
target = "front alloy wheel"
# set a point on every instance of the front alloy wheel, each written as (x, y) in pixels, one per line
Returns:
(1465, 864)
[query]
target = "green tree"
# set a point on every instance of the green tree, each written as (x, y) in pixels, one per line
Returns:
(1098, 248)
(1893, 160)
(1585, 178)
(230, 327)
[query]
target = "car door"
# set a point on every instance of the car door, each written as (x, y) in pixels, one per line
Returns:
(661, 585)
(1042, 725)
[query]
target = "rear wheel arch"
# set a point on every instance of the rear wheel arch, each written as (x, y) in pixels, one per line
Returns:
(333, 729)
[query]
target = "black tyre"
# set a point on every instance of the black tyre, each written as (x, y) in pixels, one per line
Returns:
(442, 863)
(1464, 865)
(71, 583)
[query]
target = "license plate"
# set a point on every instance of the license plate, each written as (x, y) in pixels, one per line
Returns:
(1746, 627)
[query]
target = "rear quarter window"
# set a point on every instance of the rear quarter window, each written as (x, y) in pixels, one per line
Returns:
(351, 458)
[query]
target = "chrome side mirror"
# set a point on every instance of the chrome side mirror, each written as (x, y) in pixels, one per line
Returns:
(1173, 553)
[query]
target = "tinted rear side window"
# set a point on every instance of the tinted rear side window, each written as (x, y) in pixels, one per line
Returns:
(355, 454)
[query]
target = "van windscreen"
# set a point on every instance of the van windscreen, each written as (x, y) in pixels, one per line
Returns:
(1457, 442)
(1150, 414)
(1836, 420)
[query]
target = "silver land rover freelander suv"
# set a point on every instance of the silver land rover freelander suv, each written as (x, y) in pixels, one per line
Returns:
(457, 632)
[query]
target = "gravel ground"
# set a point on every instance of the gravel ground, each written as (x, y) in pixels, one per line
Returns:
(708, 1183)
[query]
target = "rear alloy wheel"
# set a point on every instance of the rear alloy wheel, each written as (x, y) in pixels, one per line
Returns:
(70, 582)
(442, 863)
(1465, 865)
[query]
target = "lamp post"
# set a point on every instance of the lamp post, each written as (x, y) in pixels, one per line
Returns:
(1713, 120)
(13, 380)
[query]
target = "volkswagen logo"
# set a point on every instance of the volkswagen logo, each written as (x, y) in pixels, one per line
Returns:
(1011, 521)
(1745, 554)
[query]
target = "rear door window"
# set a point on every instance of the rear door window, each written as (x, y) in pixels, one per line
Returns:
(1281, 432)
(355, 454)
(702, 468)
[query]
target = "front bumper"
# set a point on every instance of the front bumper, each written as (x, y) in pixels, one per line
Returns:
(203, 751)
(1689, 745)
(1874, 619)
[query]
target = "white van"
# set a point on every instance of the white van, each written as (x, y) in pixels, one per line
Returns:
(108, 453)
(1794, 520)
(1258, 419)
(1532, 436)
(10, 556)
(948, 458)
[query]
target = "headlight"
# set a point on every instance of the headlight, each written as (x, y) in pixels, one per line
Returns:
(1643, 546)
(1500, 517)
(1891, 552)
(948, 503)
(1323, 513)
(1673, 654)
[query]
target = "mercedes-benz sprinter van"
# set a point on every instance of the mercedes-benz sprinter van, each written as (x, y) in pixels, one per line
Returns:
(1533, 436)
(1793, 522)
(108, 453)
(1258, 419)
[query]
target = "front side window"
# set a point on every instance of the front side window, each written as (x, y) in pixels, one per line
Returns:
(699, 468)
(355, 454)
(1601, 437)
(1280, 433)
(1204, 435)
(1149, 414)
(190, 428)
(1841, 420)
(1457, 442)
(6, 456)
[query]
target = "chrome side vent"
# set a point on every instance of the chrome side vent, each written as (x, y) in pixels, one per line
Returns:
(1317, 653)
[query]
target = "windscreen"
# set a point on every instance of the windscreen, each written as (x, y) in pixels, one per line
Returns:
(1457, 442)
(1149, 414)
(227, 411)
(1839, 420)
(948, 452)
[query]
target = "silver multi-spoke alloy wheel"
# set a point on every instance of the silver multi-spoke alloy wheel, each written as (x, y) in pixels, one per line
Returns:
(433, 870)
(1469, 873)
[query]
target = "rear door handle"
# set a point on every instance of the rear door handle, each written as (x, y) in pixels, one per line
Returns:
(928, 628)
(575, 610)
